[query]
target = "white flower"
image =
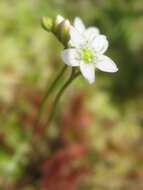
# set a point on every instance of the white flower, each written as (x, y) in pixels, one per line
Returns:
(87, 52)
(87, 33)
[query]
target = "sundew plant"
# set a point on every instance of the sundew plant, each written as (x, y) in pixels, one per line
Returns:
(71, 88)
(84, 51)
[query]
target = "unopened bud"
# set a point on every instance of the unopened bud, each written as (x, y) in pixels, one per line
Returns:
(64, 28)
(47, 23)
(60, 27)
(59, 19)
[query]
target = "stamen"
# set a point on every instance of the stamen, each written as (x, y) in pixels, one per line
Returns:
(87, 55)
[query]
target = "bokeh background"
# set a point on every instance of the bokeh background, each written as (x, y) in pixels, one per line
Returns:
(96, 139)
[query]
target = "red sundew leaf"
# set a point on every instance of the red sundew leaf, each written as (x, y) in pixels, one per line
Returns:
(75, 120)
(64, 156)
(137, 174)
(69, 180)
(140, 174)
(108, 123)
(77, 115)
(59, 172)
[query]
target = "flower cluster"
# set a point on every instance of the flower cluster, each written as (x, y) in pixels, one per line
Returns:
(86, 50)
(85, 47)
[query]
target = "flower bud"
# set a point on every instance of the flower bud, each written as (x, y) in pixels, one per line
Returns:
(47, 24)
(59, 19)
(64, 28)
(60, 27)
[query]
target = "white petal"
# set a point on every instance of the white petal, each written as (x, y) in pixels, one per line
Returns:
(59, 19)
(100, 44)
(88, 71)
(76, 38)
(79, 25)
(69, 57)
(106, 64)
(91, 32)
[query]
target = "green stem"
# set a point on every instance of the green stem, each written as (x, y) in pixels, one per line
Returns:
(48, 91)
(60, 93)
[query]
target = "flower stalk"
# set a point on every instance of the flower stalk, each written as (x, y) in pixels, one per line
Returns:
(49, 90)
(72, 77)
(84, 51)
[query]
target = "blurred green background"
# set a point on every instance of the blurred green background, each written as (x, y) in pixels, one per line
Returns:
(96, 139)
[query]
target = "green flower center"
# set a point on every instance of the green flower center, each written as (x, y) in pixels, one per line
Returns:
(87, 55)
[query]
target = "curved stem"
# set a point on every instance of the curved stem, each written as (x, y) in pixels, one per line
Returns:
(58, 96)
(48, 91)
